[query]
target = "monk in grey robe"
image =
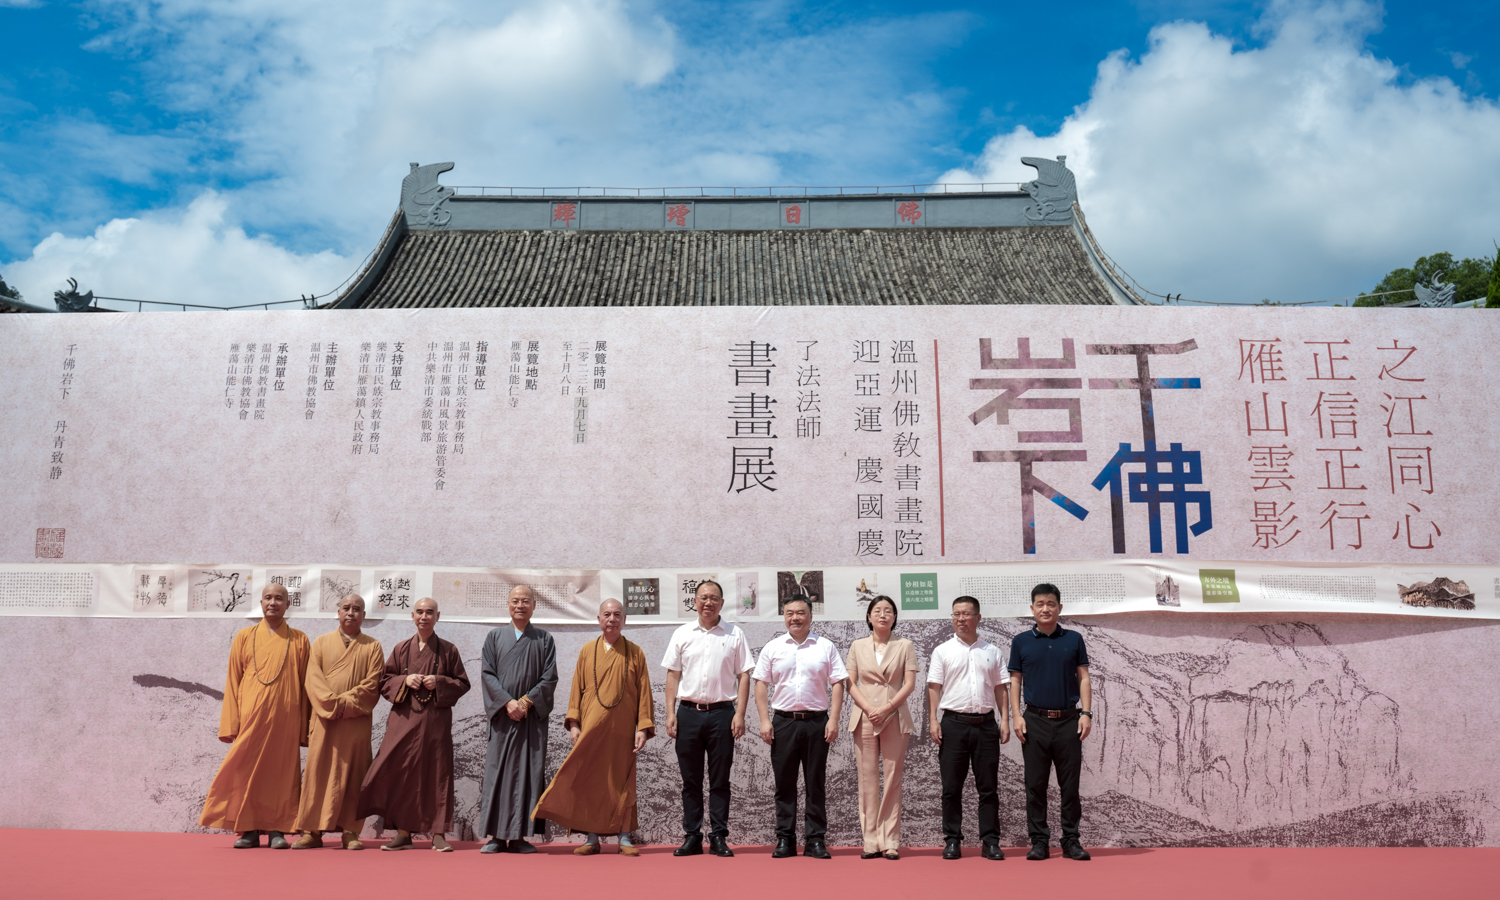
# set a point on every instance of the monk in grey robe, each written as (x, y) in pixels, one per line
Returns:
(519, 678)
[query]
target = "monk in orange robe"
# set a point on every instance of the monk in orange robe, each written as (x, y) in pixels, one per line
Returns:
(264, 720)
(343, 683)
(610, 718)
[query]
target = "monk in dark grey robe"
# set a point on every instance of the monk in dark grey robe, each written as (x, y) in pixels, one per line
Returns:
(519, 678)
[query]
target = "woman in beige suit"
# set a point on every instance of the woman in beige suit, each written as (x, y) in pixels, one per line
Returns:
(882, 674)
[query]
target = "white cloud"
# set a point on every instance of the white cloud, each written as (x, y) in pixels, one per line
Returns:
(311, 111)
(190, 256)
(1294, 170)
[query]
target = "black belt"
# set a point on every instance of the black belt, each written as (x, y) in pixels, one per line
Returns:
(706, 707)
(971, 718)
(800, 713)
(1052, 713)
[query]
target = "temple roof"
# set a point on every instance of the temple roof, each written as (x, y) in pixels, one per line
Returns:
(1026, 246)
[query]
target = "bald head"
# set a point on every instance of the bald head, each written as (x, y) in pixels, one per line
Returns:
(273, 604)
(521, 603)
(425, 614)
(351, 614)
(611, 619)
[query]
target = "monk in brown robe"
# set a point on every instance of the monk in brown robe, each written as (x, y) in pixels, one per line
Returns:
(264, 720)
(343, 683)
(410, 783)
(610, 719)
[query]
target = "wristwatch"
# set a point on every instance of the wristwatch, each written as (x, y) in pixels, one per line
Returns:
(1084, 712)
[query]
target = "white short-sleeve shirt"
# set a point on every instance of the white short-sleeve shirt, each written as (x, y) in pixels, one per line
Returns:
(799, 676)
(969, 674)
(710, 660)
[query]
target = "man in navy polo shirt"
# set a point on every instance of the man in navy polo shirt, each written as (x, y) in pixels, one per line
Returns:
(1049, 670)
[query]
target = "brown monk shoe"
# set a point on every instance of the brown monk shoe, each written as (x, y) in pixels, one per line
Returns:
(629, 850)
(586, 849)
(309, 841)
(351, 841)
(440, 844)
(402, 841)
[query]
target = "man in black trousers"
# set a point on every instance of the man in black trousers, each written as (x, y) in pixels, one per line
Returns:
(1049, 669)
(966, 687)
(708, 667)
(794, 676)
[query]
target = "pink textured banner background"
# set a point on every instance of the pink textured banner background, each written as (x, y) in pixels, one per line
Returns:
(1216, 730)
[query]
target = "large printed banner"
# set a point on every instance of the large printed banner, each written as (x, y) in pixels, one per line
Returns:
(1252, 459)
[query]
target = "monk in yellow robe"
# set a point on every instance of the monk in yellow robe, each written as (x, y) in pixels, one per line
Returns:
(264, 721)
(610, 718)
(343, 683)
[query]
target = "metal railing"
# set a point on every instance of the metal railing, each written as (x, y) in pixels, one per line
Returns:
(465, 190)
(140, 305)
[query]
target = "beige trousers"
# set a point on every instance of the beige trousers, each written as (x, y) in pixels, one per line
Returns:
(880, 816)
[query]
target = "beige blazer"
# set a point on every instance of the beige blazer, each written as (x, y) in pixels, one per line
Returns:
(879, 682)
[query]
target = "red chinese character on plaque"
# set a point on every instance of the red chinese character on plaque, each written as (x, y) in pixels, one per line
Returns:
(677, 214)
(565, 213)
(793, 214)
(909, 212)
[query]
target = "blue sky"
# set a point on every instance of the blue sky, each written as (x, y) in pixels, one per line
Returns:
(204, 152)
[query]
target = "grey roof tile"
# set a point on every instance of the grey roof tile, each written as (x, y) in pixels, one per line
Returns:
(911, 266)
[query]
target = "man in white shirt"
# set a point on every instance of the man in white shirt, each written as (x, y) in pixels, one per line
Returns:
(708, 667)
(793, 678)
(967, 680)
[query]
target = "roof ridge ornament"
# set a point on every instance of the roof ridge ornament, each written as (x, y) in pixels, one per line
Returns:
(72, 301)
(1053, 193)
(423, 199)
(1438, 295)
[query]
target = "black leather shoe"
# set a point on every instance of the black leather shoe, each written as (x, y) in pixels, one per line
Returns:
(692, 845)
(1038, 851)
(953, 848)
(719, 846)
(875, 855)
(248, 840)
(816, 849)
(1074, 850)
(991, 850)
(785, 847)
(519, 845)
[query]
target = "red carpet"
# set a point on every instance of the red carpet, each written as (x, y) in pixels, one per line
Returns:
(113, 865)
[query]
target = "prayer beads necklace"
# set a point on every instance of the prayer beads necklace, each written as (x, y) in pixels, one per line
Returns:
(598, 696)
(432, 693)
(424, 700)
(255, 659)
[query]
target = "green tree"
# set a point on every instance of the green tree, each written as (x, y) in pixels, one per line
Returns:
(1492, 297)
(1472, 278)
(8, 291)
